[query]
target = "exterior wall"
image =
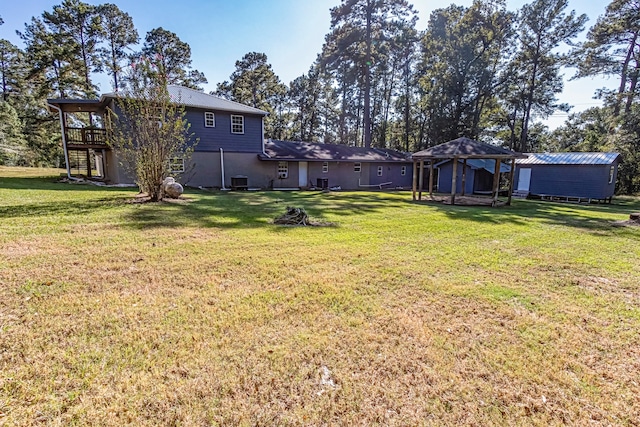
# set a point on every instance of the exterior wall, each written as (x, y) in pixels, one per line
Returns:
(204, 169)
(343, 174)
(220, 136)
(445, 173)
(391, 172)
(584, 181)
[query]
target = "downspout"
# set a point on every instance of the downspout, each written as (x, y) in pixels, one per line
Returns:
(222, 168)
(262, 125)
(64, 142)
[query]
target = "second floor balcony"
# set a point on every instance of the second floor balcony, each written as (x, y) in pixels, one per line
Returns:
(89, 137)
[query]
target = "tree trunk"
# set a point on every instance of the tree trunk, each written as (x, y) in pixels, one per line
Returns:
(366, 124)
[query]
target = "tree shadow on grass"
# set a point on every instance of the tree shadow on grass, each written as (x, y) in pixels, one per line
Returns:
(252, 209)
(598, 219)
(54, 184)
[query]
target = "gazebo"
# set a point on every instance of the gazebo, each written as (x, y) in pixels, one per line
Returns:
(462, 149)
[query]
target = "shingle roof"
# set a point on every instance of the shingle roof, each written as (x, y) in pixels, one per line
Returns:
(465, 148)
(193, 98)
(307, 151)
(568, 159)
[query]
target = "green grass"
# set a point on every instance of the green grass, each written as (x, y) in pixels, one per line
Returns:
(202, 312)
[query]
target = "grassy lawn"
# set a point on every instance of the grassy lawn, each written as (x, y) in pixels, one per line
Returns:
(202, 312)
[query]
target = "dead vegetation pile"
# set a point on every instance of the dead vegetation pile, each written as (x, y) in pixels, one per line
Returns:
(298, 217)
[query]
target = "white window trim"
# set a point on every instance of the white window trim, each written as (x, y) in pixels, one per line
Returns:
(403, 170)
(612, 172)
(380, 170)
(206, 119)
(325, 167)
(357, 167)
(242, 123)
(175, 161)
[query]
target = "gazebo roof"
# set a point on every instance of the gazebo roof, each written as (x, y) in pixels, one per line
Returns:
(465, 148)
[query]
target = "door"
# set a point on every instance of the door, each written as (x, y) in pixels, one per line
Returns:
(524, 179)
(303, 176)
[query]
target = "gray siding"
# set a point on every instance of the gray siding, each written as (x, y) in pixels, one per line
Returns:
(584, 181)
(220, 136)
(204, 170)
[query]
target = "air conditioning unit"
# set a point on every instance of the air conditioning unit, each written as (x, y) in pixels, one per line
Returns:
(282, 175)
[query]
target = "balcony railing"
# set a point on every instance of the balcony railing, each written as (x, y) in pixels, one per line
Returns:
(86, 136)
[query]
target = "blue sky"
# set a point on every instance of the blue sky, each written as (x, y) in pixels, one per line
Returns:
(290, 32)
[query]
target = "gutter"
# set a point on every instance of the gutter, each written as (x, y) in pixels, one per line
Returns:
(64, 142)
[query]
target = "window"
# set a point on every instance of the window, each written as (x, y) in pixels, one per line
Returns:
(379, 170)
(357, 167)
(237, 124)
(176, 165)
(612, 171)
(283, 170)
(325, 167)
(403, 170)
(209, 119)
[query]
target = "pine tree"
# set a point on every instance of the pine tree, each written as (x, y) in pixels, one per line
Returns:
(171, 59)
(254, 83)
(360, 30)
(543, 26)
(613, 49)
(119, 33)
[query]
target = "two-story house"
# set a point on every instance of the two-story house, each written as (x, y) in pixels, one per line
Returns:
(231, 151)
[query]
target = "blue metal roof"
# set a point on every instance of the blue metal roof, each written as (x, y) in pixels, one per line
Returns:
(568, 159)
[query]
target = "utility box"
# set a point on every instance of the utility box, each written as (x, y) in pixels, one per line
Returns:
(239, 182)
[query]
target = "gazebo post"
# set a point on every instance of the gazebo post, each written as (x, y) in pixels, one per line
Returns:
(421, 178)
(431, 178)
(464, 176)
(415, 177)
(496, 183)
(511, 175)
(454, 179)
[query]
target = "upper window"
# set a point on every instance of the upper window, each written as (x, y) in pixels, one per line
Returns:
(379, 170)
(403, 170)
(209, 119)
(325, 167)
(612, 171)
(237, 124)
(357, 167)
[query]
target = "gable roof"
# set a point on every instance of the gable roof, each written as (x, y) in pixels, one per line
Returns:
(569, 159)
(308, 151)
(194, 98)
(466, 148)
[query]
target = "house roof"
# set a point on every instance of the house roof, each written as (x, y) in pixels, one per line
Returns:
(194, 98)
(487, 164)
(308, 151)
(466, 148)
(76, 105)
(569, 159)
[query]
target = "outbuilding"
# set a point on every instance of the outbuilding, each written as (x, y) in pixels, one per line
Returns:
(463, 151)
(568, 176)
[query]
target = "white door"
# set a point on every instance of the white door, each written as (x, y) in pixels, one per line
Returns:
(524, 179)
(303, 176)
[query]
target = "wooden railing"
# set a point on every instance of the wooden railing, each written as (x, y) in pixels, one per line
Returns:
(85, 136)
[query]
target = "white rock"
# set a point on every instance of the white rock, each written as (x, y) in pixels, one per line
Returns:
(173, 190)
